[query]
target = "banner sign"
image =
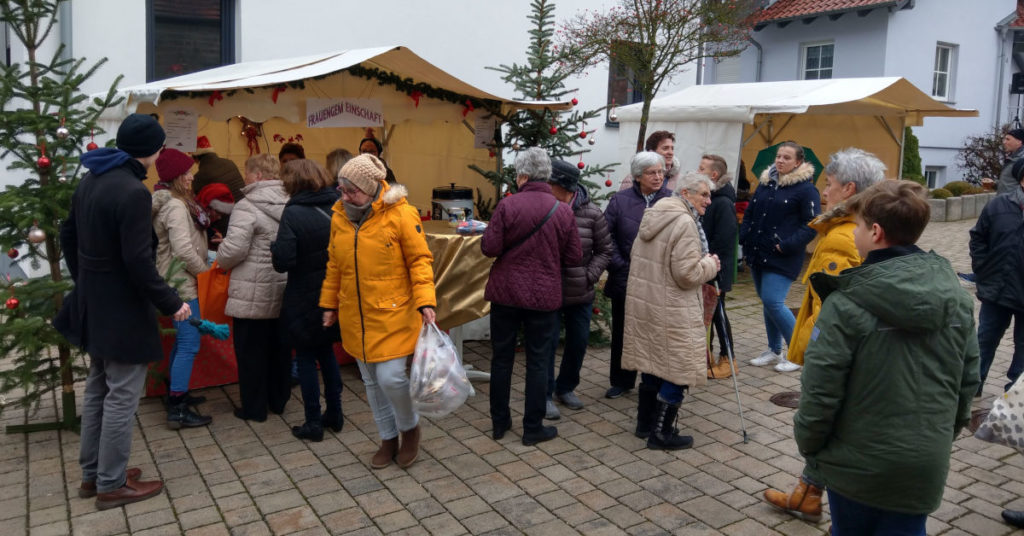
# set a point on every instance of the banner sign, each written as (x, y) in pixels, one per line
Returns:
(329, 113)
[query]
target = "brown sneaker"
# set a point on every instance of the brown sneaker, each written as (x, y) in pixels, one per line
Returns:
(384, 454)
(804, 502)
(88, 489)
(132, 491)
(410, 448)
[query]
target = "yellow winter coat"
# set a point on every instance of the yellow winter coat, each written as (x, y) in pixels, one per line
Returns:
(835, 252)
(378, 277)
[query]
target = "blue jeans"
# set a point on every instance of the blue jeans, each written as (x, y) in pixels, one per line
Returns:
(307, 358)
(851, 518)
(667, 391)
(576, 319)
(992, 323)
(772, 288)
(186, 346)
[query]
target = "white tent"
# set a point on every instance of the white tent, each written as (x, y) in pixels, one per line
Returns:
(738, 120)
(426, 138)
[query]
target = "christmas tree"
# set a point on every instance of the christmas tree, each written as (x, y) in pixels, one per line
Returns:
(45, 124)
(564, 135)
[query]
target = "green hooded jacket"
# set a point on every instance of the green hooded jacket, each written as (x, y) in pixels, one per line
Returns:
(888, 380)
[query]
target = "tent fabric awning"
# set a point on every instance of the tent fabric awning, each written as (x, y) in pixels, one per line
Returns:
(396, 59)
(890, 96)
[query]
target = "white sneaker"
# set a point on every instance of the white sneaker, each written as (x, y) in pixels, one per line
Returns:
(766, 358)
(786, 365)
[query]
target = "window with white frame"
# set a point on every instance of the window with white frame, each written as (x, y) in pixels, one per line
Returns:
(934, 175)
(816, 60)
(945, 71)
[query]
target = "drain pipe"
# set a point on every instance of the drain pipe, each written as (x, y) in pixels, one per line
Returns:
(1000, 78)
(760, 57)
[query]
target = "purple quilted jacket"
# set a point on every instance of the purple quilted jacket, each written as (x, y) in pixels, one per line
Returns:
(529, 276)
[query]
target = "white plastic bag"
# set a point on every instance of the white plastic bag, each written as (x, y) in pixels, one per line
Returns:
(437, 383)
(1005, 422)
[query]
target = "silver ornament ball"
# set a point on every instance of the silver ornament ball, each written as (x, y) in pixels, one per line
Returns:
(515, 147)
(592, 140)
(36, 235)
(62, 179)
(63, 132)
(613, 117)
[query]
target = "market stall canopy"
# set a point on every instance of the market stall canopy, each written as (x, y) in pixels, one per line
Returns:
(738, 120)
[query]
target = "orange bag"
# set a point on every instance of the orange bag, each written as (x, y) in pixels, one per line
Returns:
(213, 293)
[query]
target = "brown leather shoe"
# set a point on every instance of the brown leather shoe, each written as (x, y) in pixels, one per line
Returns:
(804, 502)
(88, 489)
(132, 491)
(384, 454)
(410, 448)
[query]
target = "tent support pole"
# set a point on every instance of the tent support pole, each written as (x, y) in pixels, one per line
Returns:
(775, 133)
(756, 132)
(895, 138)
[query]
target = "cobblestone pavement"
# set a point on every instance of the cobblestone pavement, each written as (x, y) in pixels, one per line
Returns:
(595, 478)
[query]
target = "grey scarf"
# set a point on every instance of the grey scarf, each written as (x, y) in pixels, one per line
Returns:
(700, 228)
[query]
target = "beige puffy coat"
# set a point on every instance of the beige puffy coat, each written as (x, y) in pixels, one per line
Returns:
(256, 289)
(178, 237)
(664, 332)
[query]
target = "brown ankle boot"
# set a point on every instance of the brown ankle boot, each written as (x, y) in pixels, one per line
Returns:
(410, 448)
(804, 502)
(384, 454)
(721, 370)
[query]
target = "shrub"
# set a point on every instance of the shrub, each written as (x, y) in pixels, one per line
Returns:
(911, 155)
(957, 188)
(974, 190)
(941, 193)
(915, 178)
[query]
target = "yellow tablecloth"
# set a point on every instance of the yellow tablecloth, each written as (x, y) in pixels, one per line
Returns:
(460, 274)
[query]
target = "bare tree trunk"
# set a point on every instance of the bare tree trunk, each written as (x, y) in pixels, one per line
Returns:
(642, 133)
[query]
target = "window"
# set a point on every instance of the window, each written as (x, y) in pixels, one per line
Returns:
(934, 175)
(817, 61)
(623, 88)
(942, 79)
(185, 36)
(727, 70)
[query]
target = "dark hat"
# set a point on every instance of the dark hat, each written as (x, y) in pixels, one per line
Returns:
(140, 136)
(172, 164)
(1017, 170)
(565, 175)
(1017, 133)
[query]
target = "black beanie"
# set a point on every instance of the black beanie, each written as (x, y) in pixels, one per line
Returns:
(1017, 133)
(567, 175)
(140, 136)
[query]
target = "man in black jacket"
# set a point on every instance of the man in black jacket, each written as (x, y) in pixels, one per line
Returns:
(997, 257)
(720, 226)
(110, 250)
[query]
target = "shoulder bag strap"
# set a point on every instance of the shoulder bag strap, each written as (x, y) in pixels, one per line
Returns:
(534, 230)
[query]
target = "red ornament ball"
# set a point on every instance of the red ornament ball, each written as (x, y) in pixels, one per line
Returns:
(581, 165)
(553, 130)
(490, 154)
(583, 134)
(597, 311)
(13, 253)
(608, 182)
(92, 146)
(43, 163)
(12, 303)
(575, 101)
(508, 194)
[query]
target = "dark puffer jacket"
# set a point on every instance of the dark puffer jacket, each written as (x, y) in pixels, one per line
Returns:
(578, 280)
(774, 231)
(623, 214)
(997, 253)
(301, 250)
(213, 168)
(529, 275)
(720, 226)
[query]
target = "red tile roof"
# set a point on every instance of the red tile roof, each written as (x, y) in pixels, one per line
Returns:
(794, 9)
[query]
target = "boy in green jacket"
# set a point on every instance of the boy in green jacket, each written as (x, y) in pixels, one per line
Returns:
(889, 373)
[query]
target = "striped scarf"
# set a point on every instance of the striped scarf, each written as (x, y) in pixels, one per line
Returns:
(700, 228)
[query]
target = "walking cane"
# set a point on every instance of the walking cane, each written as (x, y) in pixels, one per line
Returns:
(732, 359)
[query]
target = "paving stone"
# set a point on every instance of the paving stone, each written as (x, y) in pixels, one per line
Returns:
(292, 520)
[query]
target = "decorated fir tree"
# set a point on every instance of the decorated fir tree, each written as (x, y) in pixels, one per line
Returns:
(45, 125)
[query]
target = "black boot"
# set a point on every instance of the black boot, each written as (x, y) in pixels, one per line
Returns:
(333, 421)
(310, 430)
(647, 397)
(664, 435)
(179, 414)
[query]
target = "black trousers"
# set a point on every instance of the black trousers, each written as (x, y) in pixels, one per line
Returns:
(264, 366)
(540, 329)
(625, 379)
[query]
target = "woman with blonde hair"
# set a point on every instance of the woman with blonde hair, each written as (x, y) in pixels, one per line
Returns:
(180, 225)
(256, 290)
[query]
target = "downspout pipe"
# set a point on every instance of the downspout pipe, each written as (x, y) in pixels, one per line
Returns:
(1000, 78)
(760, 57)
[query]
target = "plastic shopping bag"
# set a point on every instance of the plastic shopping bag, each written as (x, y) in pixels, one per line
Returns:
(437, 383)
(1005, 422)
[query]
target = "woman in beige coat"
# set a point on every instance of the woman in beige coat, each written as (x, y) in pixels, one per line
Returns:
(664, 336)
(256, 291)
(180, 226)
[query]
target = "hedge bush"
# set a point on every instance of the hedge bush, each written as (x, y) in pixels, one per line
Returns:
(941, 193)
(974, 190)
(957, 188)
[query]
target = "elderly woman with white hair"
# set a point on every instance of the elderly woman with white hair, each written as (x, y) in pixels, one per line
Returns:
(623, 214)
(664, 336)
(533, 235)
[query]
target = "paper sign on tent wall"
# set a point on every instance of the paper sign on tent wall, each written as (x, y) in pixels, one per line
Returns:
(181, 127)
(483, 132)
(331, 113)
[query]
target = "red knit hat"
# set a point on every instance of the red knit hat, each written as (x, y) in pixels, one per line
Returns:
(172, 164)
